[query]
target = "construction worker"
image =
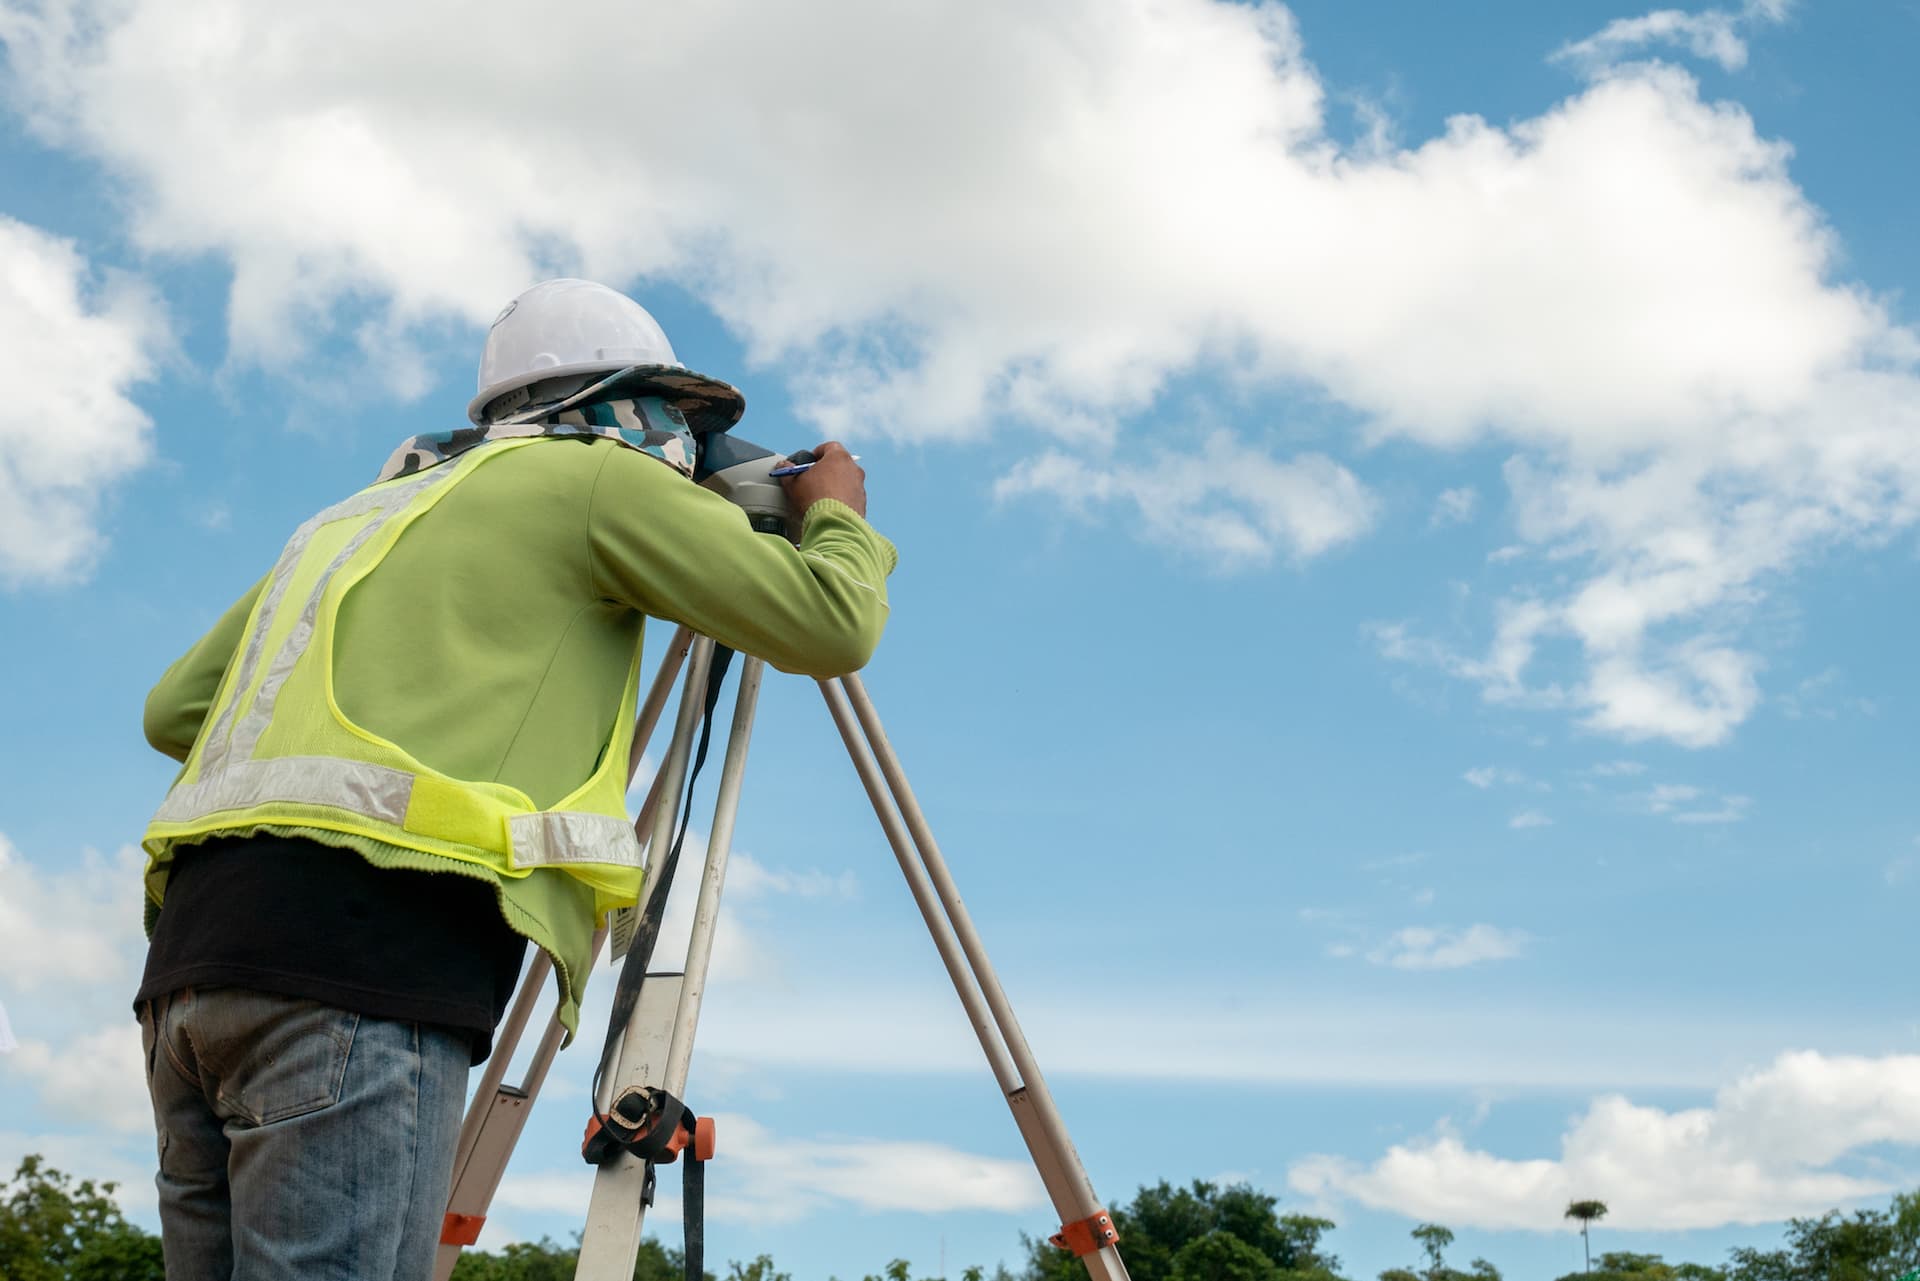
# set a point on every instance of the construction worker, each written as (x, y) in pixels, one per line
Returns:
(405, 756)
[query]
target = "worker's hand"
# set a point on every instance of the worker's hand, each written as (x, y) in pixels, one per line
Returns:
(834, 474)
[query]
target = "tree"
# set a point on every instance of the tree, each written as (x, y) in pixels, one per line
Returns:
(1434, 1240)
(1221, 1256)
(546, 1261)
(1163, 1223)
(1586, 1212)
(761, 1269)
(52, 1229)
(1621, 1265)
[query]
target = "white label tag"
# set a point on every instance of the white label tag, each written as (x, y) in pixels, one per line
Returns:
(622, 923)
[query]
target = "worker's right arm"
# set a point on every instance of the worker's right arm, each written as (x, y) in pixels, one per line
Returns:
(178, 704)
(680, 552)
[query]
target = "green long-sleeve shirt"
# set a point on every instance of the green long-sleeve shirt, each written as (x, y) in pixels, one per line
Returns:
(493, 641)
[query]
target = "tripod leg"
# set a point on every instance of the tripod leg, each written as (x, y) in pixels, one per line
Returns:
(974, 979)
(497, 1112)
(706, 908)
(657, 1044)
(656, 699)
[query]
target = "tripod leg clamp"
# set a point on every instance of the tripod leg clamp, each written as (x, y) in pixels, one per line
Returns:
(651, 1124)
(1091, 1234)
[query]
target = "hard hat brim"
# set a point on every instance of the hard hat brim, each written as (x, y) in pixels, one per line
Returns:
(708, 404)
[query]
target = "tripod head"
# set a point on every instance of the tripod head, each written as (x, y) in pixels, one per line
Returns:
(736, 469)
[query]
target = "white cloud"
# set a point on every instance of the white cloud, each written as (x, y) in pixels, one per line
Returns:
(1454, 506)
(1616, 769)
(1712, 33)
(1685, 803)
(69, 927)
(777, 1178)
(70, 353)
(1664, 797)
(898, 1016)
(96, 1078)
(1820, 697)
(739, 952)
(1422, 948)
(1764, 1150)
(1900, 868)
(1729, 809)
(1041, 219)
(1529, 819)
(748, 878)
(1225, 500)
(127, 1165)
(1485, 776)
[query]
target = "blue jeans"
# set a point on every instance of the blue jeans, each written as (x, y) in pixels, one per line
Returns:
(298, 1140)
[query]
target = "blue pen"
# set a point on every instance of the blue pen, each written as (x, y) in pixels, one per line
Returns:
(794, 469)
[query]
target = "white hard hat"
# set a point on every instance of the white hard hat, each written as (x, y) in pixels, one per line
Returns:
(560, 328)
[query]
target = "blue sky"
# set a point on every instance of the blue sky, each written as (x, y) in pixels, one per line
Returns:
(1407, 547)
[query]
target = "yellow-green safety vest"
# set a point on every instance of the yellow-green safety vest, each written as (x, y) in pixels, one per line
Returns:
(276, 752)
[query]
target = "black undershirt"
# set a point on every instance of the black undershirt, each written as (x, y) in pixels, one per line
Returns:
(298, 918)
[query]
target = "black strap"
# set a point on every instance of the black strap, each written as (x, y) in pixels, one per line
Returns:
(693, 1209)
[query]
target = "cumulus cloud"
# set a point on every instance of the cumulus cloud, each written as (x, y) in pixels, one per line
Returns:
(127, 1167)
(1713, 34)
(778, 1178)
(1685, 803)
(66, 927)
(99, 1077)
(952, 220)
(1423, 948)
(749, 878)
(1763, 1150)
(1232, 503)
(740, 952)
(1528, 819)
(1454, 506)
(71, 350)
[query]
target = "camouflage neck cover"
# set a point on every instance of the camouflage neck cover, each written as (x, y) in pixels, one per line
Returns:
(647, 424)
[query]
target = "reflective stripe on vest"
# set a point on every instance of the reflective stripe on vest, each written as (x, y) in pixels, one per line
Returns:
(547, 838)
(228, 779)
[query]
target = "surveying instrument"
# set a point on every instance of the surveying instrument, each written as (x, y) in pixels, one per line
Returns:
(639, 1121)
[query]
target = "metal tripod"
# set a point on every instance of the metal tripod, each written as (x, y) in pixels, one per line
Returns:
(657, 1041)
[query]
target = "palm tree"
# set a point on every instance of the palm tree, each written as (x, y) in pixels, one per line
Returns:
(1586, 1212)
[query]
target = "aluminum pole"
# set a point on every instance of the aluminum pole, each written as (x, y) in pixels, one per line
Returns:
(657, 1046)
(706, 909)
(656, 700)
(1042, 1117)
(923, 892)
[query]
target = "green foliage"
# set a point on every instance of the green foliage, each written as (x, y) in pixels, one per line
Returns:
(761, 1269)
(1434, 1240)
(1221, 1256)
(1623, 1265)
(52, 1229)
(1179, 1234)
(545, 1261)
(1867, 1245)
(521, 1261)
